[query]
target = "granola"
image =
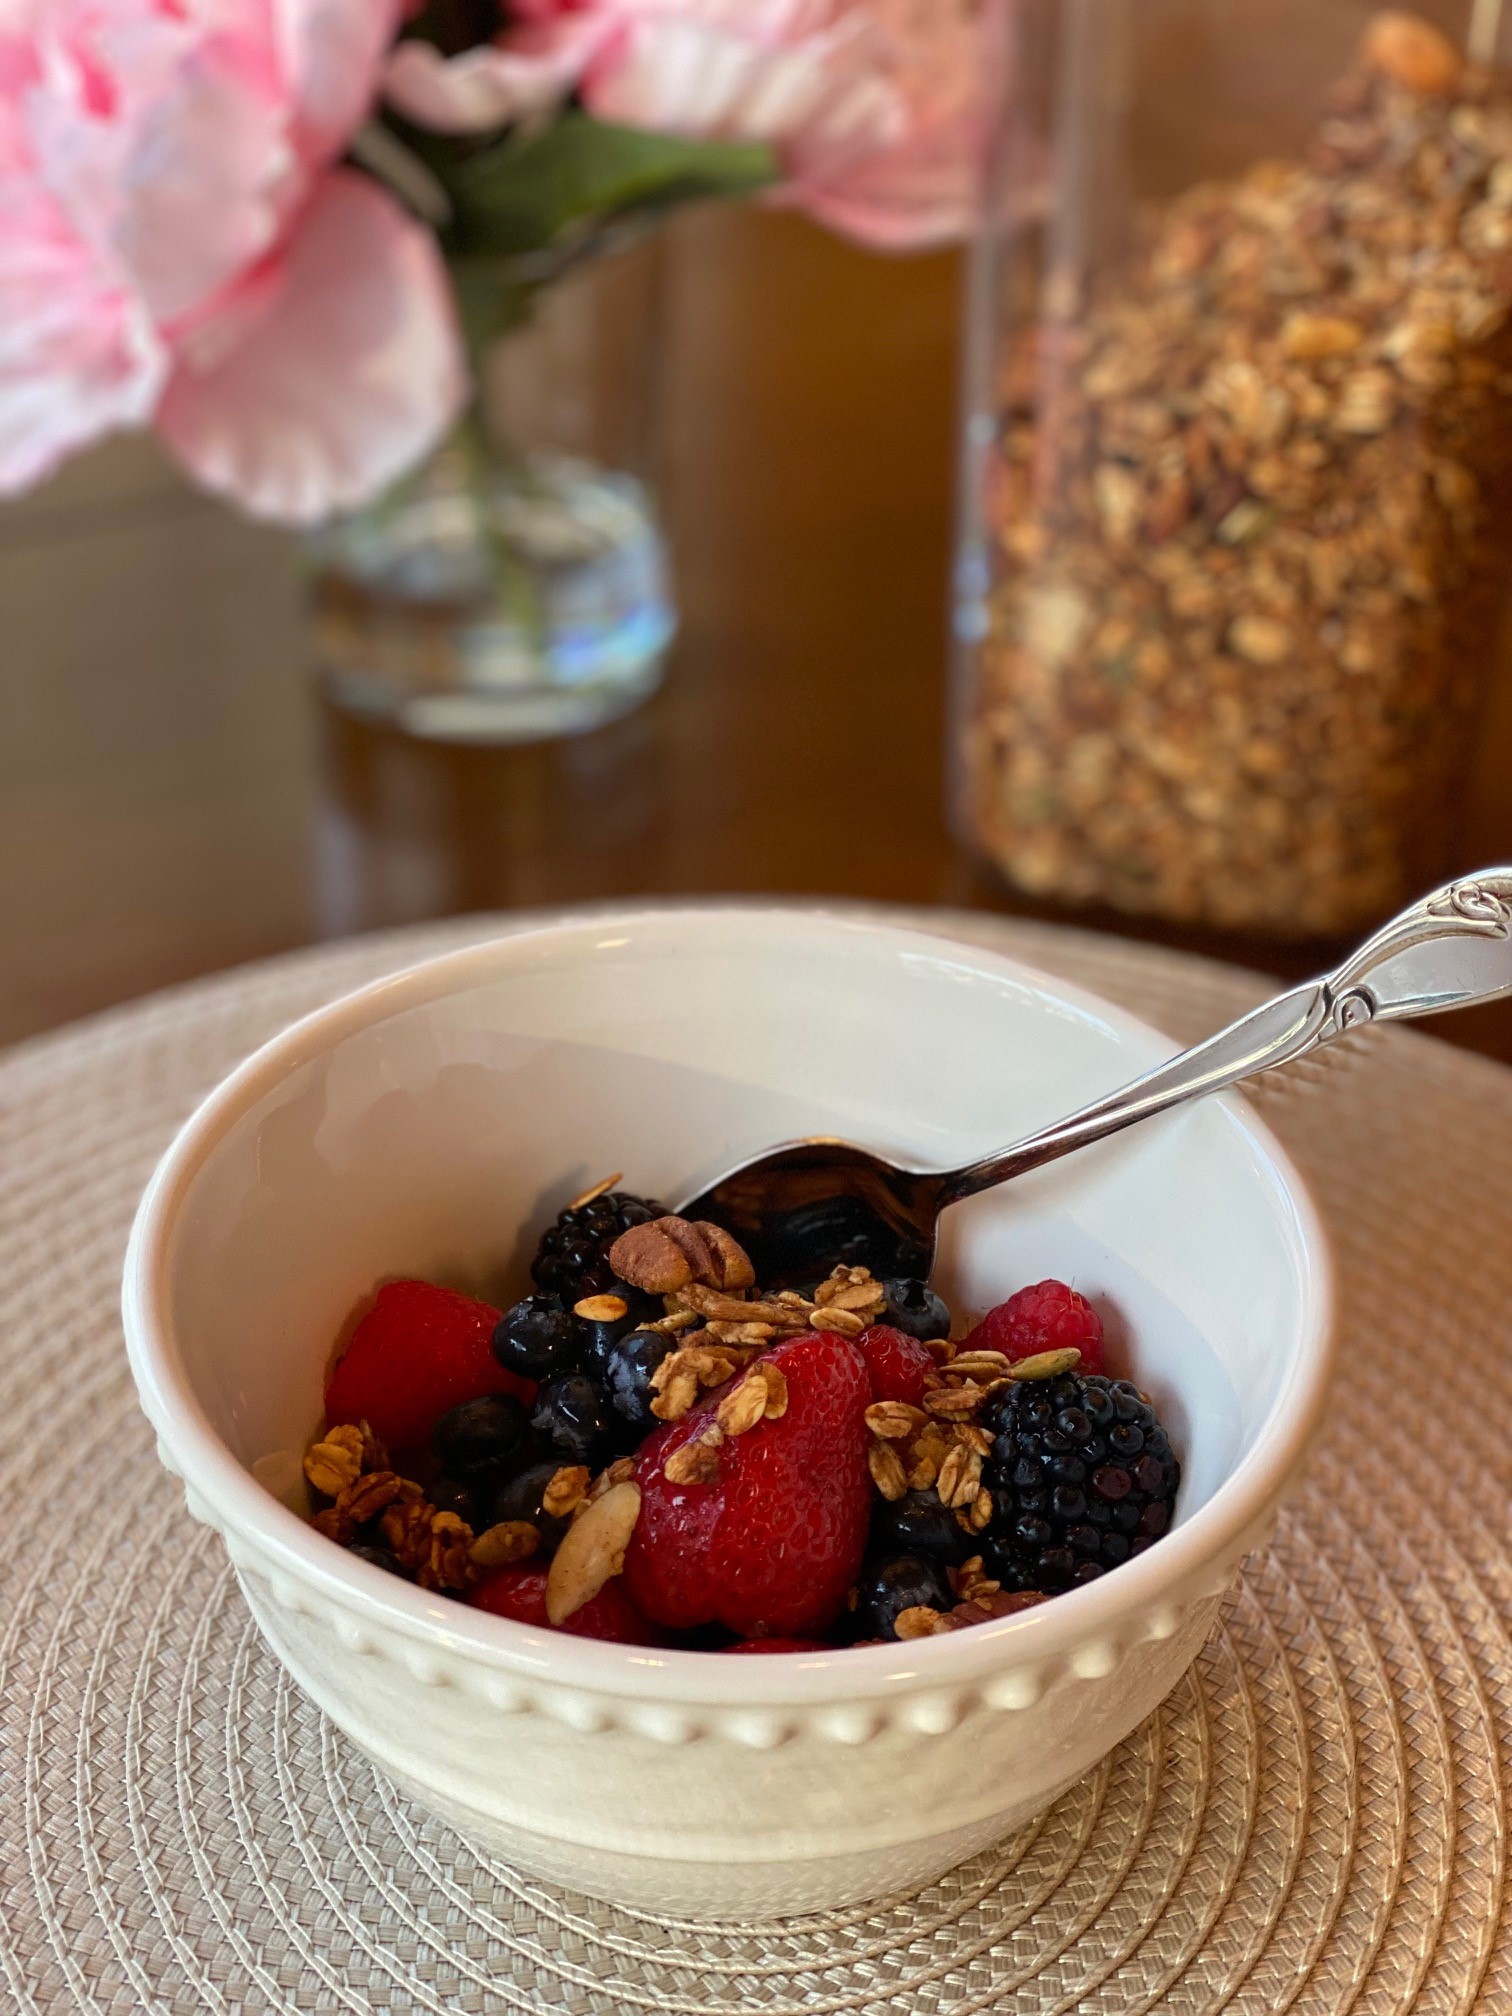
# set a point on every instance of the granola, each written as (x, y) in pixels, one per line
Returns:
(1250, 504)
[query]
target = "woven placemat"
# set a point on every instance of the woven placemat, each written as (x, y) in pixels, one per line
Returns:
(1314, 1820)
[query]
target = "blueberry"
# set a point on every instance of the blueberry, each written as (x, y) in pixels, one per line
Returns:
(451, 1494)
(537, 1338)
(627, 1372)
(573, 1418)
(378, 1557)
(601, 1326)
(914, 1308)
(521, 1499)
(480, 1435)
(901, 1582)
(920, 1525)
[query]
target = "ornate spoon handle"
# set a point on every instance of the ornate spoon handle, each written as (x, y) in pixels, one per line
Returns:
(1450, 950)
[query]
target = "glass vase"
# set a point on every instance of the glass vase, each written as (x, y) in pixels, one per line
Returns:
(1237, 477)
(516, 586)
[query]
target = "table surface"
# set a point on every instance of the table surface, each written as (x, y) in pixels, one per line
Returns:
(174, 800)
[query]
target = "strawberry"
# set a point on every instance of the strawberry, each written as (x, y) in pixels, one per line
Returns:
(898, 1364)
(1047, 1317)
(780, 1645)
(773, 1542)
(520, 1593)
(417, 1352)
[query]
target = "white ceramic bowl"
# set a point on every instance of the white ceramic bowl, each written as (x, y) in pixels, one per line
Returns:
(432, 1123)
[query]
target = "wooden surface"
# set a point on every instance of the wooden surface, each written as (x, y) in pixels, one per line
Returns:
(173, 800)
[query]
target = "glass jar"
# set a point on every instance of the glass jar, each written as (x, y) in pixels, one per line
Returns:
(1237, 489)
(516, 586)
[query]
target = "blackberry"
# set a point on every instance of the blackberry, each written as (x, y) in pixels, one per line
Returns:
(1082, 1477)
(572, 1259)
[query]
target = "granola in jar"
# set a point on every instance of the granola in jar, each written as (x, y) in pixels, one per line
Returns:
(1248, 512)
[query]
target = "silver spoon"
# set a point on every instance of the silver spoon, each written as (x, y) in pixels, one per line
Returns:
(798, 1208)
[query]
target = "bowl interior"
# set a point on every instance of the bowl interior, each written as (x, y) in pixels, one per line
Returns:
(433, 1126)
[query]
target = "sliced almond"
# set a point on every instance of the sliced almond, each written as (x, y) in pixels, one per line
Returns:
(597, 1190)
(601, 1308)
(592, 1552)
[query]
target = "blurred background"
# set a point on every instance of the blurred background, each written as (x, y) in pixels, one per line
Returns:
(177, 794)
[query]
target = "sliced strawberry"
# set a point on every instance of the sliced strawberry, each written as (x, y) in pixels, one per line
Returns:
(780, 1645)
(897, 1363)
(773, 1542)
(520, 1593)
(1047, 1317)
(418, 1351)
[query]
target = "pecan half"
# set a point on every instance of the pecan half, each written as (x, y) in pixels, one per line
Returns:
(672, 1253)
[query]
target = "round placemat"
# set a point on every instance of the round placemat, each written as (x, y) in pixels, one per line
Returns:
(1313, 1821)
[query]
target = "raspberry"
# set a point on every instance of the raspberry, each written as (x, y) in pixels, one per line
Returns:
(1047, 1317)
(779, 1645)
(520, 1593)
(1082, 1477)
(897, 1363)
(771, 1543)
(419, 1351)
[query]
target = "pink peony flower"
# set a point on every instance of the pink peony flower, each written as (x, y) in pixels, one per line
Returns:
(177, 248)
(874, 108)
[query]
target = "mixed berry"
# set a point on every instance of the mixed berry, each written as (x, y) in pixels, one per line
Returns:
(649, 1449)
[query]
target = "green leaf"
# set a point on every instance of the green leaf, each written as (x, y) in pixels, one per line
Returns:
(525, 194)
